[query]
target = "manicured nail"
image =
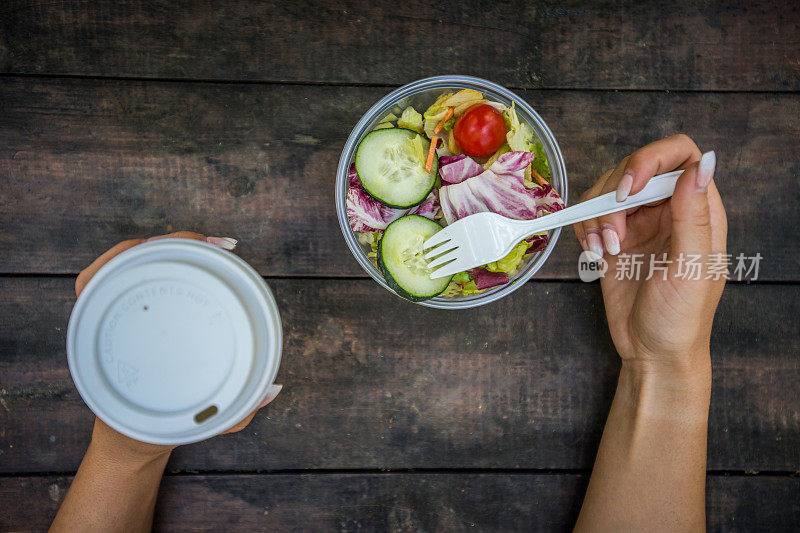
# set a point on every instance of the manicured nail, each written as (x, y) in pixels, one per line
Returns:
(624, 187)
(594, 242)
(705, 171)
(271, 394)
(611, 239)
(226, 243)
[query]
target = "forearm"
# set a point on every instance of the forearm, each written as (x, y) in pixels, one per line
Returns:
(114, 489)
(650, 468)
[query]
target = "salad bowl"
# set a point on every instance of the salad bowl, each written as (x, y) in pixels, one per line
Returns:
(421, 94)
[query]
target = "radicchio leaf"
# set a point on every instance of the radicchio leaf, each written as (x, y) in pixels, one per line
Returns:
(458, 169)
(429, 207)
(500, 189)
(486, 280)
(367, 214)
(447, 159)
(537, 243)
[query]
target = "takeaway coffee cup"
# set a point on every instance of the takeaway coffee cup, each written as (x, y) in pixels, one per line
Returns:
(174, 341)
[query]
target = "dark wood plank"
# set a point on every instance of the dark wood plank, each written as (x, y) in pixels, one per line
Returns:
(605, 44)
(85, 164)
(398, 502)
(484, 388)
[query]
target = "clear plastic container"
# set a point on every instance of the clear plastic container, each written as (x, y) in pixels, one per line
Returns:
(421, 94)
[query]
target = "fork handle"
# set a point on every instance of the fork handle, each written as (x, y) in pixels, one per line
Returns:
(658, 188)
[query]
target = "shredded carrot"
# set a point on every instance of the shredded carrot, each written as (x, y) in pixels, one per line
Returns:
(538, 177)
(431, 152)
(447, 116)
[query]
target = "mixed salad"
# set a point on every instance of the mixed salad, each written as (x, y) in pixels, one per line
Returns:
(415, 173)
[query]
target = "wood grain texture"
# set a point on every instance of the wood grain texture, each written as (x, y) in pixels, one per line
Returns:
(85, 164)
(372, 381)
(571, 44)
(398, 502)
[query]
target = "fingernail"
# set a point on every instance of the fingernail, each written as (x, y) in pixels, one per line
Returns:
(611, 240)
(624, 187)
(594, 243)
(705, 171)
(226, 243)
(271, 394)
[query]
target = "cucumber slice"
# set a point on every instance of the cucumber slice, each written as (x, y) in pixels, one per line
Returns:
(391, 166)
(401, 262)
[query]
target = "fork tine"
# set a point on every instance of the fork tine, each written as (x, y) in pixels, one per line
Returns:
(431, 245)
(446, 257)
(448, 269)
(432, 253)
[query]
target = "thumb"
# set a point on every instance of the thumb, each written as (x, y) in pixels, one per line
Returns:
(691, 216)
(272, 393)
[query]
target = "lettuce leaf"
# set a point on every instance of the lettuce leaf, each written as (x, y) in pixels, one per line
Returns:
(434, 114)
(510, 262)
(437, 109)
(504, 149)
(419, 149)
(470, 288)
(540, 163)
(462, 277)
(520, 135)
(411, 120)
(462, 97)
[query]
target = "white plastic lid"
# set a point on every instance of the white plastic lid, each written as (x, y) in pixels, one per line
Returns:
(174, 341)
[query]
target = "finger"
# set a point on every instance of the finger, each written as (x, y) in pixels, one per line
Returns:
(691, 213)
(226, 243)
(272, 393)
(242, 424)
(89, 272)
(594, 239)
(612, 226)
(179, 235)
(674, 152)
(580, 234)
(588, 231)
(633, 174)
(590, 193)
(719, 221)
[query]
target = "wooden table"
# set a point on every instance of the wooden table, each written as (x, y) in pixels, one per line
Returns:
(127, 118)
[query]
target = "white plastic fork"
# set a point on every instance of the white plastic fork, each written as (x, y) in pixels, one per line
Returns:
(485, 237)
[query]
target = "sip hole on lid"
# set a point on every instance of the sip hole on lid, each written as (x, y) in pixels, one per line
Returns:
(205, 414)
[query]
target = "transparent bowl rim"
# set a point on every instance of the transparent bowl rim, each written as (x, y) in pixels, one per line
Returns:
(555, 157)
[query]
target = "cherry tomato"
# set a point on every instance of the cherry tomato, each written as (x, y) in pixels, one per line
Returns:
(480, 131)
